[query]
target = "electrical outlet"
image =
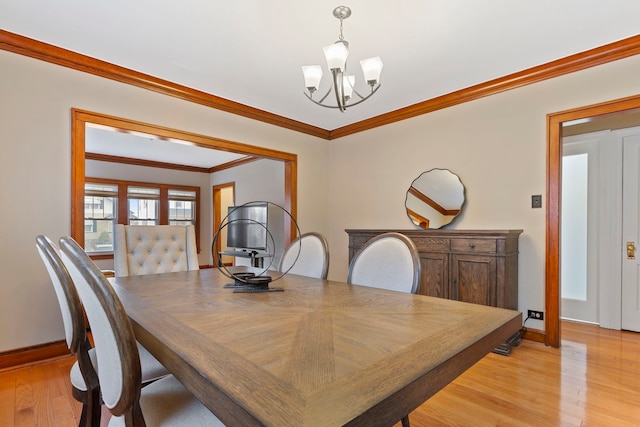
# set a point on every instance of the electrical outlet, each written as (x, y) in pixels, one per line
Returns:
(536, 201)
(533, 314)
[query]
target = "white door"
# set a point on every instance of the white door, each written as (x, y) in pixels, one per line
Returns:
(579, 249)
(631, 234)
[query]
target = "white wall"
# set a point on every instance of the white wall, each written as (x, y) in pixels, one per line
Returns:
(497, 145)
(259, 180)
(35, 171)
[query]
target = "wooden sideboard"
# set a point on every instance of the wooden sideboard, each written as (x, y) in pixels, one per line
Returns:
(477, 266)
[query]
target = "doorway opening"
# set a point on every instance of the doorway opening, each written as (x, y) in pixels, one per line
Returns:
(580, 229)
(223, 197)
(555, 123)
(601, 285)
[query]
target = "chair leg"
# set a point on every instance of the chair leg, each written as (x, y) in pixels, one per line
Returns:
(91, 398)
(405, 421)
(133, 416)
(91, 406)
(83, 415)
(94, 405)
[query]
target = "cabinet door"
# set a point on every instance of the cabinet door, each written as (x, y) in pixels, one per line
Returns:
(473, 279)
(434, 277)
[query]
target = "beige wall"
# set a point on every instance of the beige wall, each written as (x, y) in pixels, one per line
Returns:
(35, 171)
(496, 145)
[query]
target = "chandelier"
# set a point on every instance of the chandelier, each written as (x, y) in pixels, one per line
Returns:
(343, 83)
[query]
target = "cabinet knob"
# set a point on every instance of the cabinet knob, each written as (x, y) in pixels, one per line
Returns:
(472, 245)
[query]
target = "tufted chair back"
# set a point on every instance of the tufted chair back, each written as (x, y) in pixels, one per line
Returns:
(144, 249)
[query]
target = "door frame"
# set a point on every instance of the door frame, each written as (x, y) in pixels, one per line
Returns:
(217, 211)
(554, 185)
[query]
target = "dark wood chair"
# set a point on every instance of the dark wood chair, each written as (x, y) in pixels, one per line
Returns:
(165, 402)
(388, 261)
(84, 380)
(308, 255)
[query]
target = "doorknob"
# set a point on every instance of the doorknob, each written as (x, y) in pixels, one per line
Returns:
(631, 250)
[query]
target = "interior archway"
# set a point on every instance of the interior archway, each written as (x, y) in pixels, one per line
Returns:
(81, 118)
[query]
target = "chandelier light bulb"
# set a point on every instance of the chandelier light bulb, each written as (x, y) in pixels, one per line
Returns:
(347, 87)
(371, 68)
(336, 56)
(312, 77)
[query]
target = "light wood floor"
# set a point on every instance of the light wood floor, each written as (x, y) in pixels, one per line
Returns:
(592, 380)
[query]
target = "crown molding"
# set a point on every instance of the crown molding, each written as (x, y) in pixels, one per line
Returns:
(142, 162)
(39, 50)
(579, 61)
(163, 165)
(233, 164)
(56, 55)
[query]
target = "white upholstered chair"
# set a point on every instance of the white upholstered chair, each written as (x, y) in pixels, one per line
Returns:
(83, 376)
(308, 255)
(84, 380)
(388, 261)
(151, 249)
(164, 402)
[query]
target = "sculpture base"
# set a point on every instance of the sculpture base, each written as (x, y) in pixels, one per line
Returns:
(256, 289)
(250, 283)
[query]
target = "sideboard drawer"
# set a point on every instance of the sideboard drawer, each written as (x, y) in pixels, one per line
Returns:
(474, 245)
(431, 244)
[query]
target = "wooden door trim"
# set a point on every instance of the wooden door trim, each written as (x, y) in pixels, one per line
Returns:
(554, 185)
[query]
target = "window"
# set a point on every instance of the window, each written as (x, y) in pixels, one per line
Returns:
(143, 205)
(100, 202)
(109, 202)
(90, 225)
(182, 207)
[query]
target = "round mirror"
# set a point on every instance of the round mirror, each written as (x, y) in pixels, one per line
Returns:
(435, 198)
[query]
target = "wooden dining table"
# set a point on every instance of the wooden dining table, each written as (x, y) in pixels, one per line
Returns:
(319, 353)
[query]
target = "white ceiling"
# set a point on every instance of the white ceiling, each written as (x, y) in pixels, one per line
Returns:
(250, 51)
(137, 146)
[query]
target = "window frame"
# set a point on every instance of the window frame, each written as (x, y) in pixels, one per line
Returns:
(122, 214)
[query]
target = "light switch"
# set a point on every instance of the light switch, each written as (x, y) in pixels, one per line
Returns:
(536, 201)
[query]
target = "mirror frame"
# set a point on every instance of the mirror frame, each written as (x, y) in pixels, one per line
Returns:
(80, 118)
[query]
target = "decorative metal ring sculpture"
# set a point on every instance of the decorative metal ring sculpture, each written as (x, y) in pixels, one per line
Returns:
(248, 279)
